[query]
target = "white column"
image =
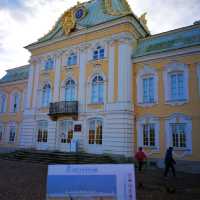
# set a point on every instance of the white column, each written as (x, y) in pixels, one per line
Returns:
(82, 81)
(58, 63)
(36, 83)
(111, 74)
(124, 71)
(30, 87)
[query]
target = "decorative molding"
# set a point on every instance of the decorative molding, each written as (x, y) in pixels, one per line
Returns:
(176, 67)
(179, 118)
(146, 71)
(145, 120)
(198, 75)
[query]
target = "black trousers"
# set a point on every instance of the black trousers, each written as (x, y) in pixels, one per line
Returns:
(167, 167)
(140, 165)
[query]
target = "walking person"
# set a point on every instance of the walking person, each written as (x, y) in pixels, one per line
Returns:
(140, 156)
(169, 162)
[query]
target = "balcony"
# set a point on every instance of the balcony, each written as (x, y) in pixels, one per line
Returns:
(63, 108)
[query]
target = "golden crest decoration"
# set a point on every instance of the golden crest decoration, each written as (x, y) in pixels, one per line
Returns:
(68, 21)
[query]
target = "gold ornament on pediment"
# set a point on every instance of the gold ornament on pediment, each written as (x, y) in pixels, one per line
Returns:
(68, 21)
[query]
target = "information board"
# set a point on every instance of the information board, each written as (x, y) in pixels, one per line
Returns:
(92, 182)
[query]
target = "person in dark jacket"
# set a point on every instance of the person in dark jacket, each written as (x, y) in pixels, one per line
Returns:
(169, 162)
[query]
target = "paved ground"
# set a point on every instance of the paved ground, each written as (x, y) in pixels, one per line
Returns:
(27, 181)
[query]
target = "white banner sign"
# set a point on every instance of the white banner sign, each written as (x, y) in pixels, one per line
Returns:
(92, 182)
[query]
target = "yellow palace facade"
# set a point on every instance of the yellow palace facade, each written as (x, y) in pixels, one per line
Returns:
(101, 80)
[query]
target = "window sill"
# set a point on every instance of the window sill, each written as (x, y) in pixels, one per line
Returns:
(147, 104)
(96, 104)
(177, 102)
(96, 61)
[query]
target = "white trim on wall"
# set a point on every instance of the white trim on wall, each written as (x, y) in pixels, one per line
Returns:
(63, 86)
(4, 108)
(97, 72)
(179, 118)
(148, 119)
(146, 72)
(198, 75)
(176, 67)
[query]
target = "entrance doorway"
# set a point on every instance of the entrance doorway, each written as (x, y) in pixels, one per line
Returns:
(65, 135)
(42, 135)
(95, 136)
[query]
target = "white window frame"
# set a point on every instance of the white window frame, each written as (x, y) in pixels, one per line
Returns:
(94, 46)
(47, 60)
(11, 125)
(4, 108)
(198, 75)
(176, 68)
(43, 127)
(2, 134)
(72, 55)
(63, 86)
(88, 124)
(18, 107)
(179, 118)
(41, 94)
(146, 72)
(89, 90)
(148, 119)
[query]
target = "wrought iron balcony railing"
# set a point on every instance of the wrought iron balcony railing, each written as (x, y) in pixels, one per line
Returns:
(63, 108)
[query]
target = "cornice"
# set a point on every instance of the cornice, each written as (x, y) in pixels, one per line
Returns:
(127, 19)
(167, 54)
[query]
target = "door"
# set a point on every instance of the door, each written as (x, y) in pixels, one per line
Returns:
(42, 135)
(65, 135)
(95, 136)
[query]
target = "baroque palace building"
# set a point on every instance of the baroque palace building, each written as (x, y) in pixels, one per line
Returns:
(101, 79)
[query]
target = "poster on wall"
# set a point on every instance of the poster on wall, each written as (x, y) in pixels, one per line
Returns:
(91, 182)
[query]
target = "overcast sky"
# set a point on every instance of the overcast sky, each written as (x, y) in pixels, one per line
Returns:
(24, 21)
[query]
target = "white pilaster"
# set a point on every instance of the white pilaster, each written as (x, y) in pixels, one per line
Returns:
(124, 71)
(58, 63)
(111, 73)
(30, 87)
(82, 82)
(36, 82)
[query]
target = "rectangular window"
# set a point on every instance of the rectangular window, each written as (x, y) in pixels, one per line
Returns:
(178, 135)
(95, 55)
(149, 135)
(148, 90)
(1, 133)
(101, 53)
(177, 86)
(42, 132)
(12, 134)
(95, 132)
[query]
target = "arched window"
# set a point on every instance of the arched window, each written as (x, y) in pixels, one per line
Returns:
(46, 95)
(70, 88)
(95, 131)
(97, 89)
(48, 64)
(15, 102)
(2, 103)
(98, 53)
(72, 59)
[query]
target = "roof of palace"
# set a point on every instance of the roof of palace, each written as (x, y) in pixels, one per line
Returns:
(172, 40)
(16, 74)
(97, 12)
